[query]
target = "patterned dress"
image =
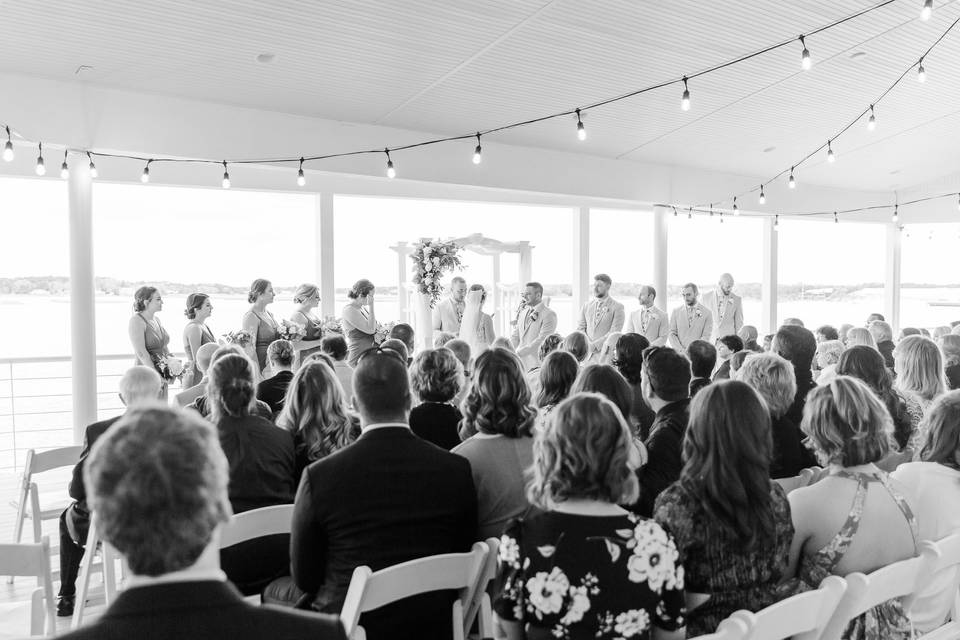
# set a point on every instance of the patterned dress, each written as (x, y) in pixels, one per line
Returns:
(571, 576)
(886, 621)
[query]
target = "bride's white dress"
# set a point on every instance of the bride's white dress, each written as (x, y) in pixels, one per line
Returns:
(476, 325)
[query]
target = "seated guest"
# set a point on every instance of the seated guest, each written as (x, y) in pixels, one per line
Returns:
(436, 377)
(797, 345)
(392, 344)
(280, 355)
(578, 345)
(856, 518)
(866, 364)
(628, 359)
(726, 347)
(939, 332)
(352, 509)
(749, 334)
(792, 322)
(503, 343)
(825, 333)
(883, 334)
(498, 408)
(737, 360)
(404, 333)
(827, 356)
(858, 336)
(557, 375)
(772, 377)
(316, 412)
(950, 347)
(703, 358)
(909, 331)
(666, 389)
(843, 331)
(336, 347)
(202, 406)
(609, 348)
(202, 363)
(550, 344)
(767, 342)
(935, 480)
(461, 351)
(158, 482)
(607, 381)
(583, 568)
(442, 339)
(873, 317)
(920, 380)
(140, 385)
(731, 522)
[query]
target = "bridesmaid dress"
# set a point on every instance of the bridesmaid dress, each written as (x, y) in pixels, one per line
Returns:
(358, 340)
(155, 341)
(191, 374)
(314, 333)
(266, 333)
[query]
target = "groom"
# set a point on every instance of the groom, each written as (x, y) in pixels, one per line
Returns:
(448, 314)
(601, 316)
(535, 321)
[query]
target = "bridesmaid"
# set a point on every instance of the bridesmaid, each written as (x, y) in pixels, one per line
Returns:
(307, 297)
(147, 335)
(259, 322)
(195, 335)
(359, 323)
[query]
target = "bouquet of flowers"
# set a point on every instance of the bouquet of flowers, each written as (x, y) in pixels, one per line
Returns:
(168, 367)
(431, 259)
(383, 332)
(238, 337)
(331, 325)
(291, 331)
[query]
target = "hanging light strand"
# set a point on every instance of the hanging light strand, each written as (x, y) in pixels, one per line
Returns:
(581, 131)
(41, 169)
(92, 167)
(8, 148)
(64, 169)
(145, 176)
(391, 172)
(301, 179)
(225, 183)
(805, 61)
(478, 151)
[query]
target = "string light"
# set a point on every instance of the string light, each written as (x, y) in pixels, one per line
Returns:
(926, 10)
(872, 121)
(64, 169)
(836, 220)
(721, 217)
(685, 100)
(896, 213)
(791, 182)
(8, 148)
(145, 176)
(736, 209)
(581, 132)
(226, 176)
(776, 222)
(301, 179)
(763, 198)
(830, 156)
(391, 172)
(711, 209)
(674, 212)
(93, 167)
(921, 73)
(690, 213)
(41, 170)
(805, 61)
(958, 202)
(478, 152)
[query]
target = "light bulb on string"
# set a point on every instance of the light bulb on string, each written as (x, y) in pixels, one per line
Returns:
(711, 209)
(763, 198)
(145, 176)
(896, 213)
(478, 152)
(921, 73)
(64, 169)
(721, 217)
(685, 100)
(926, 10)
(391, 172)
(93, 167)
(41, 170)
(805, 61)
(674, 212)
(791, 182)
(836, 220)
(690, 213)
(776, 222)
(830, 155)
(226, 176)
(301, 179)
(736, 209)
(872, 121)
(581, 132)
(8, 148)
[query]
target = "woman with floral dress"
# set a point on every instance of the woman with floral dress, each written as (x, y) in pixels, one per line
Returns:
(585, 567)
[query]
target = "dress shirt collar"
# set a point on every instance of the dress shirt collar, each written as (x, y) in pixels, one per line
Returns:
(186, 575)
(384, 425)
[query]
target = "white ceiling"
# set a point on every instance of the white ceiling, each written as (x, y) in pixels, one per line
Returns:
(455, 66)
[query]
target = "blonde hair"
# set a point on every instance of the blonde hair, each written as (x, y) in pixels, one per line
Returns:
(305, 292)
(316, 407)
(773, 378)
(583, 452)
(847, 423)
(919, 366)
(942, 424)
(829, 352)
(860, 336)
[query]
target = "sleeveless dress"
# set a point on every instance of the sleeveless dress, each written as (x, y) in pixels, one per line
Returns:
(191, 374)
(358, 340)
(314, 333)
(266, 333)
(155, 342)
(886, 621)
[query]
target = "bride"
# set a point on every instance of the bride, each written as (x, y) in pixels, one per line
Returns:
(476, 327)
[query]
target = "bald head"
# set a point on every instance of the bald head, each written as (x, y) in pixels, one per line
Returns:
(205, 355)
(140, 385)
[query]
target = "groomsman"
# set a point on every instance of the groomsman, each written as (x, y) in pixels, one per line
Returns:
(648, 320)
(534, 322)
(601, 316)
(726, 307)
(690, 322)
(448, 313)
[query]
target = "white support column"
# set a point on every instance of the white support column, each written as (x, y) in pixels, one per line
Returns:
(891, 284)
(83, 346)
(324, 240)
(660, 253)
(768, 287)
(402, 255)
(495, 298)
(581, 260)
(526, 263)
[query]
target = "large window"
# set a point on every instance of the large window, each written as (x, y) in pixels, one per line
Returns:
(930, 295)
(621, 245)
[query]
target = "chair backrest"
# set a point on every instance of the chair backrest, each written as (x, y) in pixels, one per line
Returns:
(479, 599)
(369, 590)
(729, 629)
(802, 617)
(32, 560)
(38, 462)
(948, 558)
(256, 523)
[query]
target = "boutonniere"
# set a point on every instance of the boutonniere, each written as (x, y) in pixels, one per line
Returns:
(698, 313)
(534, 315)
(729, 301)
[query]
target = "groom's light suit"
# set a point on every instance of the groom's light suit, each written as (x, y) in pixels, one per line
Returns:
(445, 317)
(683, 332)
(534, 324)
(598, 319)
(728, 320)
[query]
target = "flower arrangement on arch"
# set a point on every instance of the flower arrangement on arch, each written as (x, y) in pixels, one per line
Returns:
(291, 331)
(431, 259)
(239, 337)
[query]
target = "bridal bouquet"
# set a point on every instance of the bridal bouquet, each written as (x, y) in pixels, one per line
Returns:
(431, 259)
(239, 337)
(331, 325)
(291, 331)
(383, 332)
(168, 367)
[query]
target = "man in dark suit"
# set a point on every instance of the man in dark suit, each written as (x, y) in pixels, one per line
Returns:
(158, 483)
(703, 358)
(388, 498)
(139, 385)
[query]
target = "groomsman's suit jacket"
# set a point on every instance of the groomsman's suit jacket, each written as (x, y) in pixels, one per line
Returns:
(658, 326)
(681, 334)
(534, 324)
(732, 316)
(445, 317)
(598, 319)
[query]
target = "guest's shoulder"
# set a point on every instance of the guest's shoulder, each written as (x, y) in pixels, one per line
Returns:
(97, 429)
(283, 622)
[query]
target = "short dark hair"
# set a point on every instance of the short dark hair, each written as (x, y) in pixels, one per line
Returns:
(602, 277)
(828, 332)
(404, 333)
(380, 385)
(667, 372)
(796, 344)
(703, 358)
(732, 342)
(628, 356)
(649, 289)
(536, 285)
(335, 346)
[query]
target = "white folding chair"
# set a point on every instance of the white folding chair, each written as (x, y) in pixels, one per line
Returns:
(901, 580)
(480, 599)
(110, 560)
(257, 523)
(32, 560)
(41, 506)
(729, 629)
(801, 617)
(947, 560)
(369, 590)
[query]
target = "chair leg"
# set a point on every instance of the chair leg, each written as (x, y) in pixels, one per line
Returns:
(35, 513)
(18, 526)
(86, 565)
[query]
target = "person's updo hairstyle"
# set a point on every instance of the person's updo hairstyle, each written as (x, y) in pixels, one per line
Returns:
(257, 289)
(231, 387)
(360, 288)
(194, 302)
(141, 298)
(280, 352)
(305, 292)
